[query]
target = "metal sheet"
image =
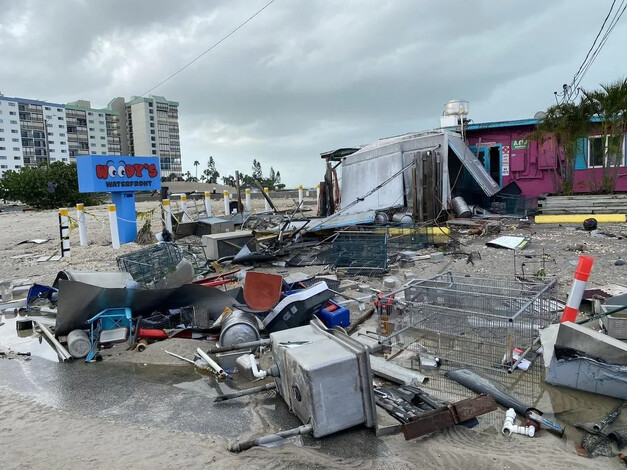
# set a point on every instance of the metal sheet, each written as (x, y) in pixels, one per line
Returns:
(360, 175)
(79, 302)
(473, 165)
(342, 220)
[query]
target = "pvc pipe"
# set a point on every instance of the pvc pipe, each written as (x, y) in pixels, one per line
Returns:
(249, 203)
(64, 229)
(582, 274)
(301, 195)
(208, 204)
(113, 224)
(82, 223)
(61, 351)
(227, 210)
(167, 214)
(219, 370)
(186, 217)
(260, 374)
(267, 205)
(510, 428)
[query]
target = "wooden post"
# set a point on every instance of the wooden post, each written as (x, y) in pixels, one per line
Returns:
(240, 207)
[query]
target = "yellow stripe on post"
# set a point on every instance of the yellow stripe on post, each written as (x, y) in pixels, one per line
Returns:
(579, 218)
(165, 202)
(111, 207)
(80, 207)
(64, 212)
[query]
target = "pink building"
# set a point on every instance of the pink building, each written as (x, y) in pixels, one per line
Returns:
(510, 156)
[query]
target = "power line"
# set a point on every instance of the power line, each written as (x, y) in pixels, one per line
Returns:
(572, 91)
(595, 41)
(211, 47)
(617, 16)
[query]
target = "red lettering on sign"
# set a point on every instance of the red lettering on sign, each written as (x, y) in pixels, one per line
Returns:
(102, 171)
(138, 169)
(152, 170)
(130, 171)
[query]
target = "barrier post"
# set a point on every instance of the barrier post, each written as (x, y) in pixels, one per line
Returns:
(301, 195)
(64, 230)
(167, 214)
(186, 217)
(82, 223)
(208, 204)
(227, 210)
(113, 224)
(249, 203)
(267, 204)
(582, 274)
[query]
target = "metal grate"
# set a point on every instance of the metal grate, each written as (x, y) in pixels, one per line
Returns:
(470, 321)
(360, 252)
(150, 264)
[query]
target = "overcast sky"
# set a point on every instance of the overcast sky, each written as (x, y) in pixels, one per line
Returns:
(304, 76)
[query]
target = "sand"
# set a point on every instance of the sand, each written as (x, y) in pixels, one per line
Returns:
(36, 436)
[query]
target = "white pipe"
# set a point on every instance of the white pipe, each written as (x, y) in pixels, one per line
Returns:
(249, 204)
(208, 204)
(61, 351)
(186, 217)
(267, 204)
(260, 374)
(510, 428)
(227, 210)
(82, 223)
(113, 224)
(167, 214)
(64, 223)
(219, 370)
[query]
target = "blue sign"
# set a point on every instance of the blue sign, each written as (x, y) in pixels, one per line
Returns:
(121, 176)
(115, 173)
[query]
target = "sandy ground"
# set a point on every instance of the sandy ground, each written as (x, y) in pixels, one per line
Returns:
(34, 435)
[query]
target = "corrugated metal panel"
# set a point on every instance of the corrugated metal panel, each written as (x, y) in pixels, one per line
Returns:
(342, 220)
(473, 165)
(363, 173)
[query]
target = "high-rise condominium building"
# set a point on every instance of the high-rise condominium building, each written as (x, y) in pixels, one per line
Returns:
(34, 132)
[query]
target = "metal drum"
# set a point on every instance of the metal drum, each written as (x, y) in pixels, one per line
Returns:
(460, 208)
(78, 343)
(239, 327)
(403, 218)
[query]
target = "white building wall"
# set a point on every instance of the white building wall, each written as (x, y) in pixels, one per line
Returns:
(140, 116)
(57, 133)
(10, 136)
(97, 132)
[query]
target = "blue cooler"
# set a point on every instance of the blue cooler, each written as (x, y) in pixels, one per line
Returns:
(335, 315)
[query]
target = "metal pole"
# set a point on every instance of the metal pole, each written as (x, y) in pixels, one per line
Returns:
(243, 393)
(61, 351)
(240, 446)
(234, 347)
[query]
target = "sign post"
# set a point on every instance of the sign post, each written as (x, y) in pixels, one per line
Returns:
(121, 176)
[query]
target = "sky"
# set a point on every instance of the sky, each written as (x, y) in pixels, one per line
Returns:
(304, 76)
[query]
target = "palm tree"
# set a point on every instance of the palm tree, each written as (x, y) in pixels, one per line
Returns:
(196, 163)
(609, 105)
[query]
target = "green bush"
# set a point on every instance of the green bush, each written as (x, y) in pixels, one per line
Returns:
(46, 186)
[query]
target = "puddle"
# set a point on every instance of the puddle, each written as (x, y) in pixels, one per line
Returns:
(25, 341)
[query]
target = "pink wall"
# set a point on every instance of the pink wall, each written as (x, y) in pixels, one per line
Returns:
(533, 168)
